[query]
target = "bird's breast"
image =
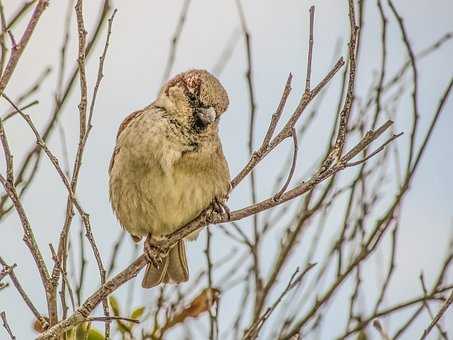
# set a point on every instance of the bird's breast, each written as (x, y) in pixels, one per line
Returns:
(193, 184)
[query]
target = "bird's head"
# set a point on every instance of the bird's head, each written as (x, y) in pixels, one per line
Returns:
(195, 98)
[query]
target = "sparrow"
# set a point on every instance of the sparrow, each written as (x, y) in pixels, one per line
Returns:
(168, 166)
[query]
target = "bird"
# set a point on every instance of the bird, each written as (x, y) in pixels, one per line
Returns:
(168, 166)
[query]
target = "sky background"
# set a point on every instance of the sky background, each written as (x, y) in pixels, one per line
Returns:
(134, 69)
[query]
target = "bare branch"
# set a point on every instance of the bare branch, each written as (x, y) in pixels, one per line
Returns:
(19, 48)
(33, 157)
(9, 270)
(174, 41)
(6, 326)
(310, 49)
(414, 82)
(293, 166)
(438, 316)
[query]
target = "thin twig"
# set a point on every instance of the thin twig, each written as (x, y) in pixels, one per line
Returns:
(293, 166)
(29, 239)
(10, 272)
(295, 279)
(251, 141)
(116, 247)
(379, 149)
(377, 324)
(111, 317)
(6, 326)
(174, 42)
(438, 316)
(395, 308)
(264, 150)
(8, 155)
(85, 128)
(63, 49)
(278, 113)
(100, 70)
(4, 49)
(19, 14)
(65, 278)
(345, 113)
(310, 49)
(33, 156)
(410, 52)
(213, 322)
(442, 333)
(20, 46)
(82, 267)
(227, 53)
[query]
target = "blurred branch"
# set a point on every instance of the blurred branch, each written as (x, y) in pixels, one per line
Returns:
(296, 278)
(438, 316)
(21, 11)
(410, 52)
(6, 325)
(82, 267)
(442, 333)
(174, 42)
(213, 321)
(227, 53)
(396, 308)
(30, 91)
(255, 244)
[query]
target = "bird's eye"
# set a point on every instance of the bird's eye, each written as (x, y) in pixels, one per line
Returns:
(192, 99)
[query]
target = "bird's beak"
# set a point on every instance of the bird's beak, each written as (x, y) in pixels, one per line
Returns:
(207, 115)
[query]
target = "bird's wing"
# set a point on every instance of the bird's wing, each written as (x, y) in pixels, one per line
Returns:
(123, 125)
(128, 120)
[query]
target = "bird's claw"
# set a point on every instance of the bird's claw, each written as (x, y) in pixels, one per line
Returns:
(156, 250)
(219, 207)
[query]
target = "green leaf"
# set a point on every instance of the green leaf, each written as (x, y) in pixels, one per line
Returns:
(94, 334)
(137, 313)
(124, 327)
(362, 335)
(115, 306)
(85, 332)
(81, 331)
(70, 335)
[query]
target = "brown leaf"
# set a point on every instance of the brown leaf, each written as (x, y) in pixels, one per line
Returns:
(41, 325)
(200, 304)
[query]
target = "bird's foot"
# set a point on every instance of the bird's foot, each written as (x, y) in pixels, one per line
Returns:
(219, 207)
(156, 250)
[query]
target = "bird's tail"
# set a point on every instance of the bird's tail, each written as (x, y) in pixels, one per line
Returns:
(174, 269)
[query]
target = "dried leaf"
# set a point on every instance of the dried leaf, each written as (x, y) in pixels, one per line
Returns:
(38, 325)
(202, 302)
(199, 305)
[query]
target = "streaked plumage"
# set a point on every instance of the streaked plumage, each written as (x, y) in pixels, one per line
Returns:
(168, 165)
